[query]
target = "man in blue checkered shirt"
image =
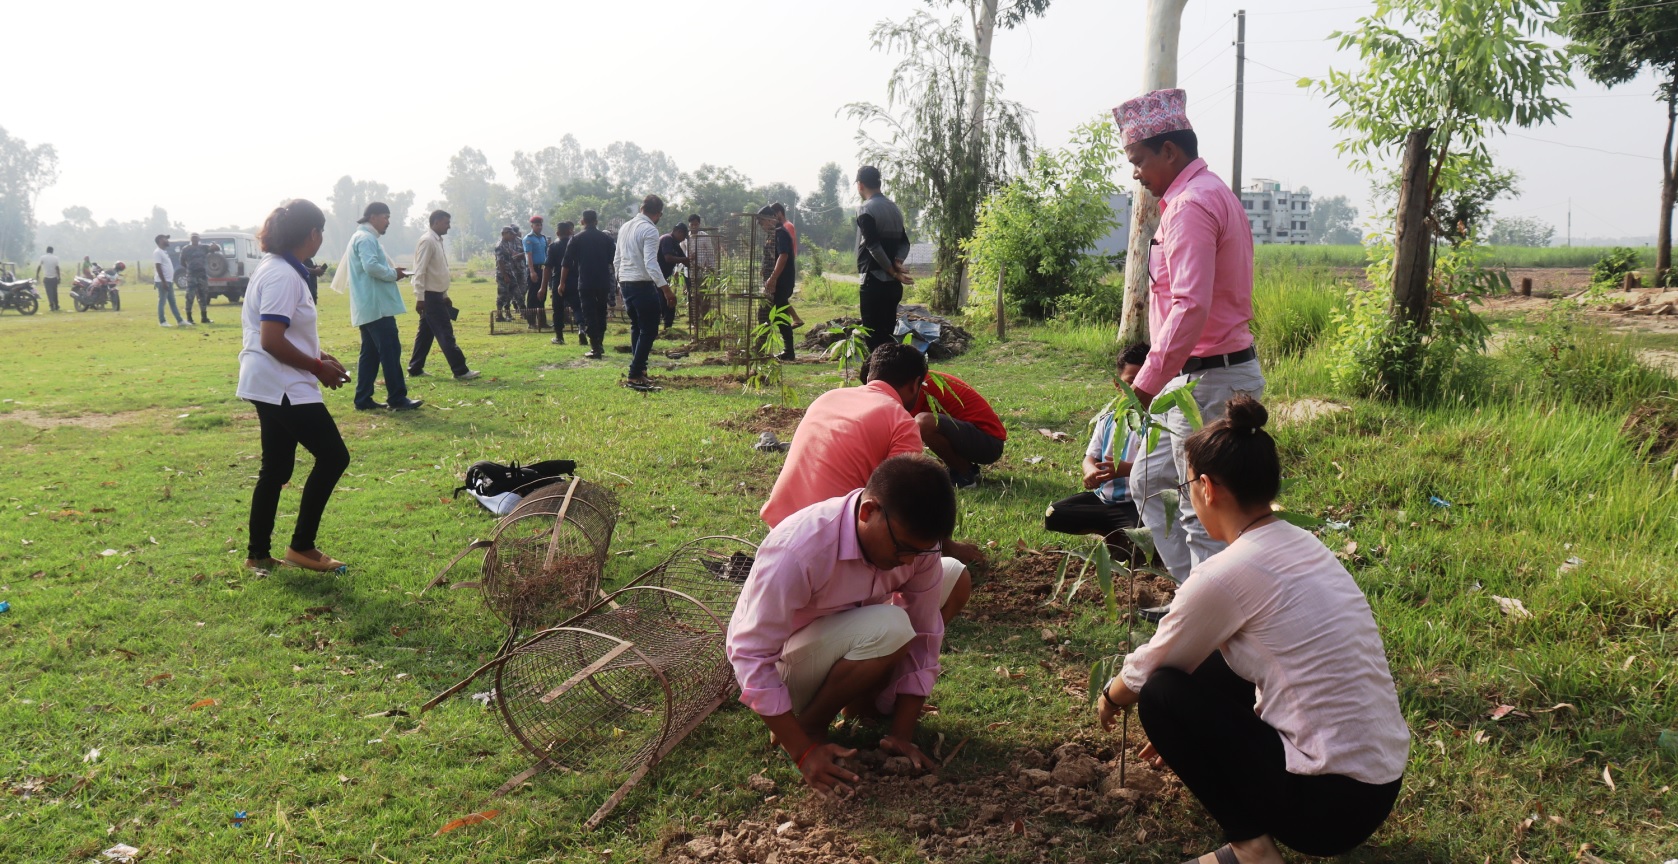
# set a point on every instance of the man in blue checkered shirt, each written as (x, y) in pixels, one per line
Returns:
(1106, 508)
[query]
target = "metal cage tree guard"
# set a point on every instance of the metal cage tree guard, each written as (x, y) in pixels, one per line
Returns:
(617, 687)
(725, 285)
(544, 561)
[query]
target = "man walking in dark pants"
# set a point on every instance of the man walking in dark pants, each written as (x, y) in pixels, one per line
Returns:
(564, 295)
(777, 287)
(882, 243)
(49, 266)
(588, 265)
(670, 254)
(641, 281)
(436, 310)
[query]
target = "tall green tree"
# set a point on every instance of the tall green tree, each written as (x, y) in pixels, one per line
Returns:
(1617, 39)
(718, 192)
(825, 219)
(24, 172)
(1334, 221)
(1521, 231)
(345, 205)
(1437, 79)
(478, 204)
(924, 142)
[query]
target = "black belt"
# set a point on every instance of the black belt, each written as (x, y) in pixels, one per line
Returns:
(1219, 361)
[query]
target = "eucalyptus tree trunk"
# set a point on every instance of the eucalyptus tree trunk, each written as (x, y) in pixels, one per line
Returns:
(1409, 306)
(984, 32)
(1669, 190)
(1159, 72)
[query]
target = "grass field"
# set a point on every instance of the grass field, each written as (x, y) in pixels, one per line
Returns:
(1501, 256)
(153, 689)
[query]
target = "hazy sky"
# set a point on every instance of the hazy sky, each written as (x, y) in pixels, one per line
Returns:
(218, 117)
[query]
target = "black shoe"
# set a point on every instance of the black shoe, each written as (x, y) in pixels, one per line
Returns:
(370, 406)
(1155, 614)
(416, 373)
(557, 340)
(409, 405)
(593, 355)
(786, 357)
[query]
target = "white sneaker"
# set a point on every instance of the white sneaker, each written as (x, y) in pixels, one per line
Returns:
(164, 324)
(468, 375)
(188, 323)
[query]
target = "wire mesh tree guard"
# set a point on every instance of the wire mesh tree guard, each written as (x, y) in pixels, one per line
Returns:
(725, 287)
(544, 561)
(614, 689)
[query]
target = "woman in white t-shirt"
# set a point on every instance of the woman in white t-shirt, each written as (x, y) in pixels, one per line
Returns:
(1266, 688)
(281, 368)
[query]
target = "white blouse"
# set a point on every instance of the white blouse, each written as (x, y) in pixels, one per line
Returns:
(1291, 620)
(277, 292)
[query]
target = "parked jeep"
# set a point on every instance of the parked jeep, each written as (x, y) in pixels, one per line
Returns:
(232, 260)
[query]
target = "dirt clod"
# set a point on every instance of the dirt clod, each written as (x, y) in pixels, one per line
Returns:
(1080, 770)
(760, 783)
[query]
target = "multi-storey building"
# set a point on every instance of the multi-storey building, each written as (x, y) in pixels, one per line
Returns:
(1276, 214)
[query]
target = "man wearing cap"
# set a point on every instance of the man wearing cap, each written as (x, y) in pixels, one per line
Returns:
(536, 257)
(194, 260)
(375, 301)
(510, 275)
(49, 266)
(642, 282)
(163, 271)
(1201, 285)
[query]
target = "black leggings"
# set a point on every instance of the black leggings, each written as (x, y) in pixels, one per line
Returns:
(878, 302)
(1204, 726)
(284, 426)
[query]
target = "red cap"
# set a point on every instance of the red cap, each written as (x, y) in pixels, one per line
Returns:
(536, 218)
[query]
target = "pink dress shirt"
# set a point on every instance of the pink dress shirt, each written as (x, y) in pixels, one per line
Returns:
(844, 436)
(812, 566)
(1202, 273)
(1291, 620)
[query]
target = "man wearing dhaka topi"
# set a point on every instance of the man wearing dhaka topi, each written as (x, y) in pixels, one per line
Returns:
(1200, 272)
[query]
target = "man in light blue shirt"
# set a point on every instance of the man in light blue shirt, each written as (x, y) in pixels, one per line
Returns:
(1108, 507)
(375, 301)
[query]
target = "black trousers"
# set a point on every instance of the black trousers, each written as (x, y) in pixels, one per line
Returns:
(437, 324)
(284, 426)
(879, 300)
(535, 306)
(783, 297)
(594, 317)
(1204, 727)
(51, 284)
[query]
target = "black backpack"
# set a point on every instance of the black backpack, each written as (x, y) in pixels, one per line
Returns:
(492, 478)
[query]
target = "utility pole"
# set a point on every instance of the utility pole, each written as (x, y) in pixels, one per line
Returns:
(1570, 223)
(1240, 95)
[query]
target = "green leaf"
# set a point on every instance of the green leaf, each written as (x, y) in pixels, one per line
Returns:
(1303, 520)
(1060, 580)
(1104, 576)
(1143, 537)
(1172, 507)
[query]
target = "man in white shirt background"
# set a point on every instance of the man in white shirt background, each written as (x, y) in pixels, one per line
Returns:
(642, 282)
(163, 271)
(47, 272)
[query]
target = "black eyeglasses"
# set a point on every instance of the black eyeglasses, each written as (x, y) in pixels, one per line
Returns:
(903, 548)
(1183, 487)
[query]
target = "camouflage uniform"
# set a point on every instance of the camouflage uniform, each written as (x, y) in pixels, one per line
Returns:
(510, 276)
(197, 278)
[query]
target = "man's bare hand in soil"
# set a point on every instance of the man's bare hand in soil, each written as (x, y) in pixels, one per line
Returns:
(822, 772)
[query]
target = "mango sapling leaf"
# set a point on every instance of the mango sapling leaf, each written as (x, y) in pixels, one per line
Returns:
(1104, 576)
(1143, 537)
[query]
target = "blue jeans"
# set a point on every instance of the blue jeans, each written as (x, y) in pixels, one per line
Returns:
(167, 290)
(644, 305)
(381, 347)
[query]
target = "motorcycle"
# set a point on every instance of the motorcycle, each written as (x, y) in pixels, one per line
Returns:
(18, 293)
(93, 292)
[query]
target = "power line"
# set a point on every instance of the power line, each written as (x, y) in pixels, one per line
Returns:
(1197, 46)
(1306, 11)
(1215, 58)
(1626, 9)
(1582, 147)
(1274, 69)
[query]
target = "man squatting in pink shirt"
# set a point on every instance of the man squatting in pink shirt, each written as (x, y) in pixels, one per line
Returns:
(1200, 271)
(843, 611)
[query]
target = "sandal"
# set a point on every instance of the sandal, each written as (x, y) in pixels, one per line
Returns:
(321, 563)
(1224, 854)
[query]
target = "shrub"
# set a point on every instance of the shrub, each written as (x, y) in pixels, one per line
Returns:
(1291, 309)
(1611, 269)
(1039, 231)
(1586, 366)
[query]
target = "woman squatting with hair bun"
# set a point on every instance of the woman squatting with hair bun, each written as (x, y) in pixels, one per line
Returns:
(1266, 688)
(281, 368)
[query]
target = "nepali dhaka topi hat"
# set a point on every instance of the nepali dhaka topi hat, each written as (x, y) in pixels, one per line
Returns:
(1153, 114)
